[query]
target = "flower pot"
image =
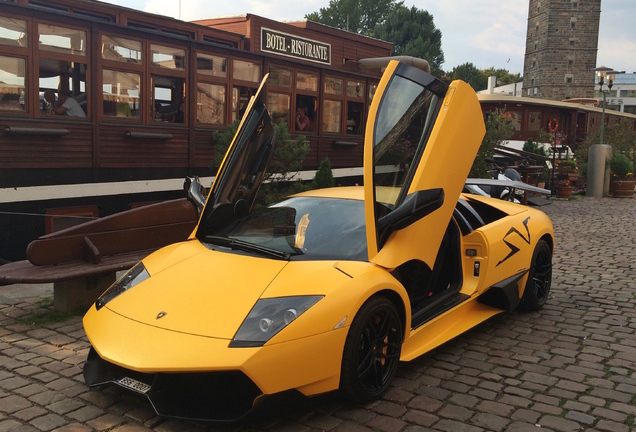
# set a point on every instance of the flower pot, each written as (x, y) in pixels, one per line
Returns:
(573, 177)
(623, 187)
(564, 191)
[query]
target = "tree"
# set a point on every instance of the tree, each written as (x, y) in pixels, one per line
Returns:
(468, 72)
(412, 33)
(498, 130)
(356, 16)
(286, 161)
(503, 76)
(324, 176)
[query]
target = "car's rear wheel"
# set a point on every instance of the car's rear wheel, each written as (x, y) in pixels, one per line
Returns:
(372, 351)
(539, 280)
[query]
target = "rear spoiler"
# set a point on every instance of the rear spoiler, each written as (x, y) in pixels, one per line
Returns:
(510, 184)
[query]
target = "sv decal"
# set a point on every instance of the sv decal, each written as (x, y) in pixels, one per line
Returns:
(514, 249)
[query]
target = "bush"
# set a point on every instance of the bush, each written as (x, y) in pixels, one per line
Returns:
(324, 176)
(533, 147)
(620, 165)
(286, 161)
(498, 130)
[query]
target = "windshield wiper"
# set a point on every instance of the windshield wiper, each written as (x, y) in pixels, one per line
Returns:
(246, 246)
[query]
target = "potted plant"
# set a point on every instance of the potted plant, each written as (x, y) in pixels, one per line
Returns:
(564, 189)
(623, 181)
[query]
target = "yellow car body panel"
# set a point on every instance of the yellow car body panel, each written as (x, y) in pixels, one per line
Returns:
(198, 296)
(306, 361)
(441, 166)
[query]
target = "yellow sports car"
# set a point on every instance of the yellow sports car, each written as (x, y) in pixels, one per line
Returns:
(328, 289)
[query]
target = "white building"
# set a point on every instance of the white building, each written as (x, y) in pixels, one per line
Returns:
(622, 97)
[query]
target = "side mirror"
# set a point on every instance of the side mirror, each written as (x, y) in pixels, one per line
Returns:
(416, 206)
(195, 193)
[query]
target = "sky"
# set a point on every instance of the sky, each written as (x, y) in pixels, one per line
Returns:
(487, 33)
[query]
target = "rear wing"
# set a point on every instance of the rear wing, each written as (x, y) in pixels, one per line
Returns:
(510, 184)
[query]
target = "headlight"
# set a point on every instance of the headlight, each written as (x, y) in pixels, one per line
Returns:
(132, 277)
(268, 317)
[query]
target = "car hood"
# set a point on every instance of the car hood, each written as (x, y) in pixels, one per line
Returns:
(198, 291)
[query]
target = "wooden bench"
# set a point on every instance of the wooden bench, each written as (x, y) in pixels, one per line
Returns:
(82, 261)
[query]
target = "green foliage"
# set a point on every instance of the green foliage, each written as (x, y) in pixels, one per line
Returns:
(498, 130)
(324, 176)
(221, 142)
(469, 73)
(621, 165)
(504, 77)
(478, 78)
(286, 162)
(288, 154)
(412, 33)
(356, 16)
(620, 136)
(533, 147)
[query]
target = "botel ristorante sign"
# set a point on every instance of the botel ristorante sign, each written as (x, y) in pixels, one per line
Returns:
(293, 46)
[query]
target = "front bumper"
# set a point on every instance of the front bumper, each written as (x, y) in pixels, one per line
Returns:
(210, 396)
(202, 378)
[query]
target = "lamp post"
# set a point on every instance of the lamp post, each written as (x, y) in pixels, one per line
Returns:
(598, 176)
(603, 75)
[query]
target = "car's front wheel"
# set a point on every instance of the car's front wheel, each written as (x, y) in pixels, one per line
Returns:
(539, 280)
(372, 351)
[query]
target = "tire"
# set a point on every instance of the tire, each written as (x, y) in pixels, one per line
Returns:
(371, 352)
(539, 280)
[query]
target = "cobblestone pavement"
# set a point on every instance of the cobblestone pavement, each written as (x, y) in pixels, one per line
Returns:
(570, 367)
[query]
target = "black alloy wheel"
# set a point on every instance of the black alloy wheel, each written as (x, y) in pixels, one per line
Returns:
(537, 288)
(372, 351)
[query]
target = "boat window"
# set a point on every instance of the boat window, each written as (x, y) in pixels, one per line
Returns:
(212, 65)
(279, 77)
(56, 75)
(13, 32)
(62, 39)
(246, 71)
(12, 89)
(210, 103)
(278, 106)
(168, 57)
(306, 81)
(121, 92)
(168, 95)
(121, 50)
(332, 116)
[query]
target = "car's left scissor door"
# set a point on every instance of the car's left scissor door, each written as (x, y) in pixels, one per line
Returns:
(421, 140)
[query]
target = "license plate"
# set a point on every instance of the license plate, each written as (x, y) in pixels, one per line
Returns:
(133, 384)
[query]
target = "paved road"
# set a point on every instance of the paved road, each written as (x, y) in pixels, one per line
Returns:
(570, 367)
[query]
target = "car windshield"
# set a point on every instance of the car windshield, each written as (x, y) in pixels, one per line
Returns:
(302, 228)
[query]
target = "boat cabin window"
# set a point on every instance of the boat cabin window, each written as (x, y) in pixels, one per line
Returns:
(168, 57)
(246, 71)
(279, 94)
(13, 32)
(211, 65)
(168, 97)
(12, 89)
(121, 50)
(355, 107)
(121, 91)
(62, 40)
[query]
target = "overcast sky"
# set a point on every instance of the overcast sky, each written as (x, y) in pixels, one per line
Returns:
(485, 32)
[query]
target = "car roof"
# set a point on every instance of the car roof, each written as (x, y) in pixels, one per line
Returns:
(343, 192)
(385, 194)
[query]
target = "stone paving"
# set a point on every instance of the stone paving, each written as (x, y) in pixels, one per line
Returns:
(570, 367)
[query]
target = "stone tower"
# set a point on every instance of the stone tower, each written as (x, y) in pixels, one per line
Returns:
(561, 46)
